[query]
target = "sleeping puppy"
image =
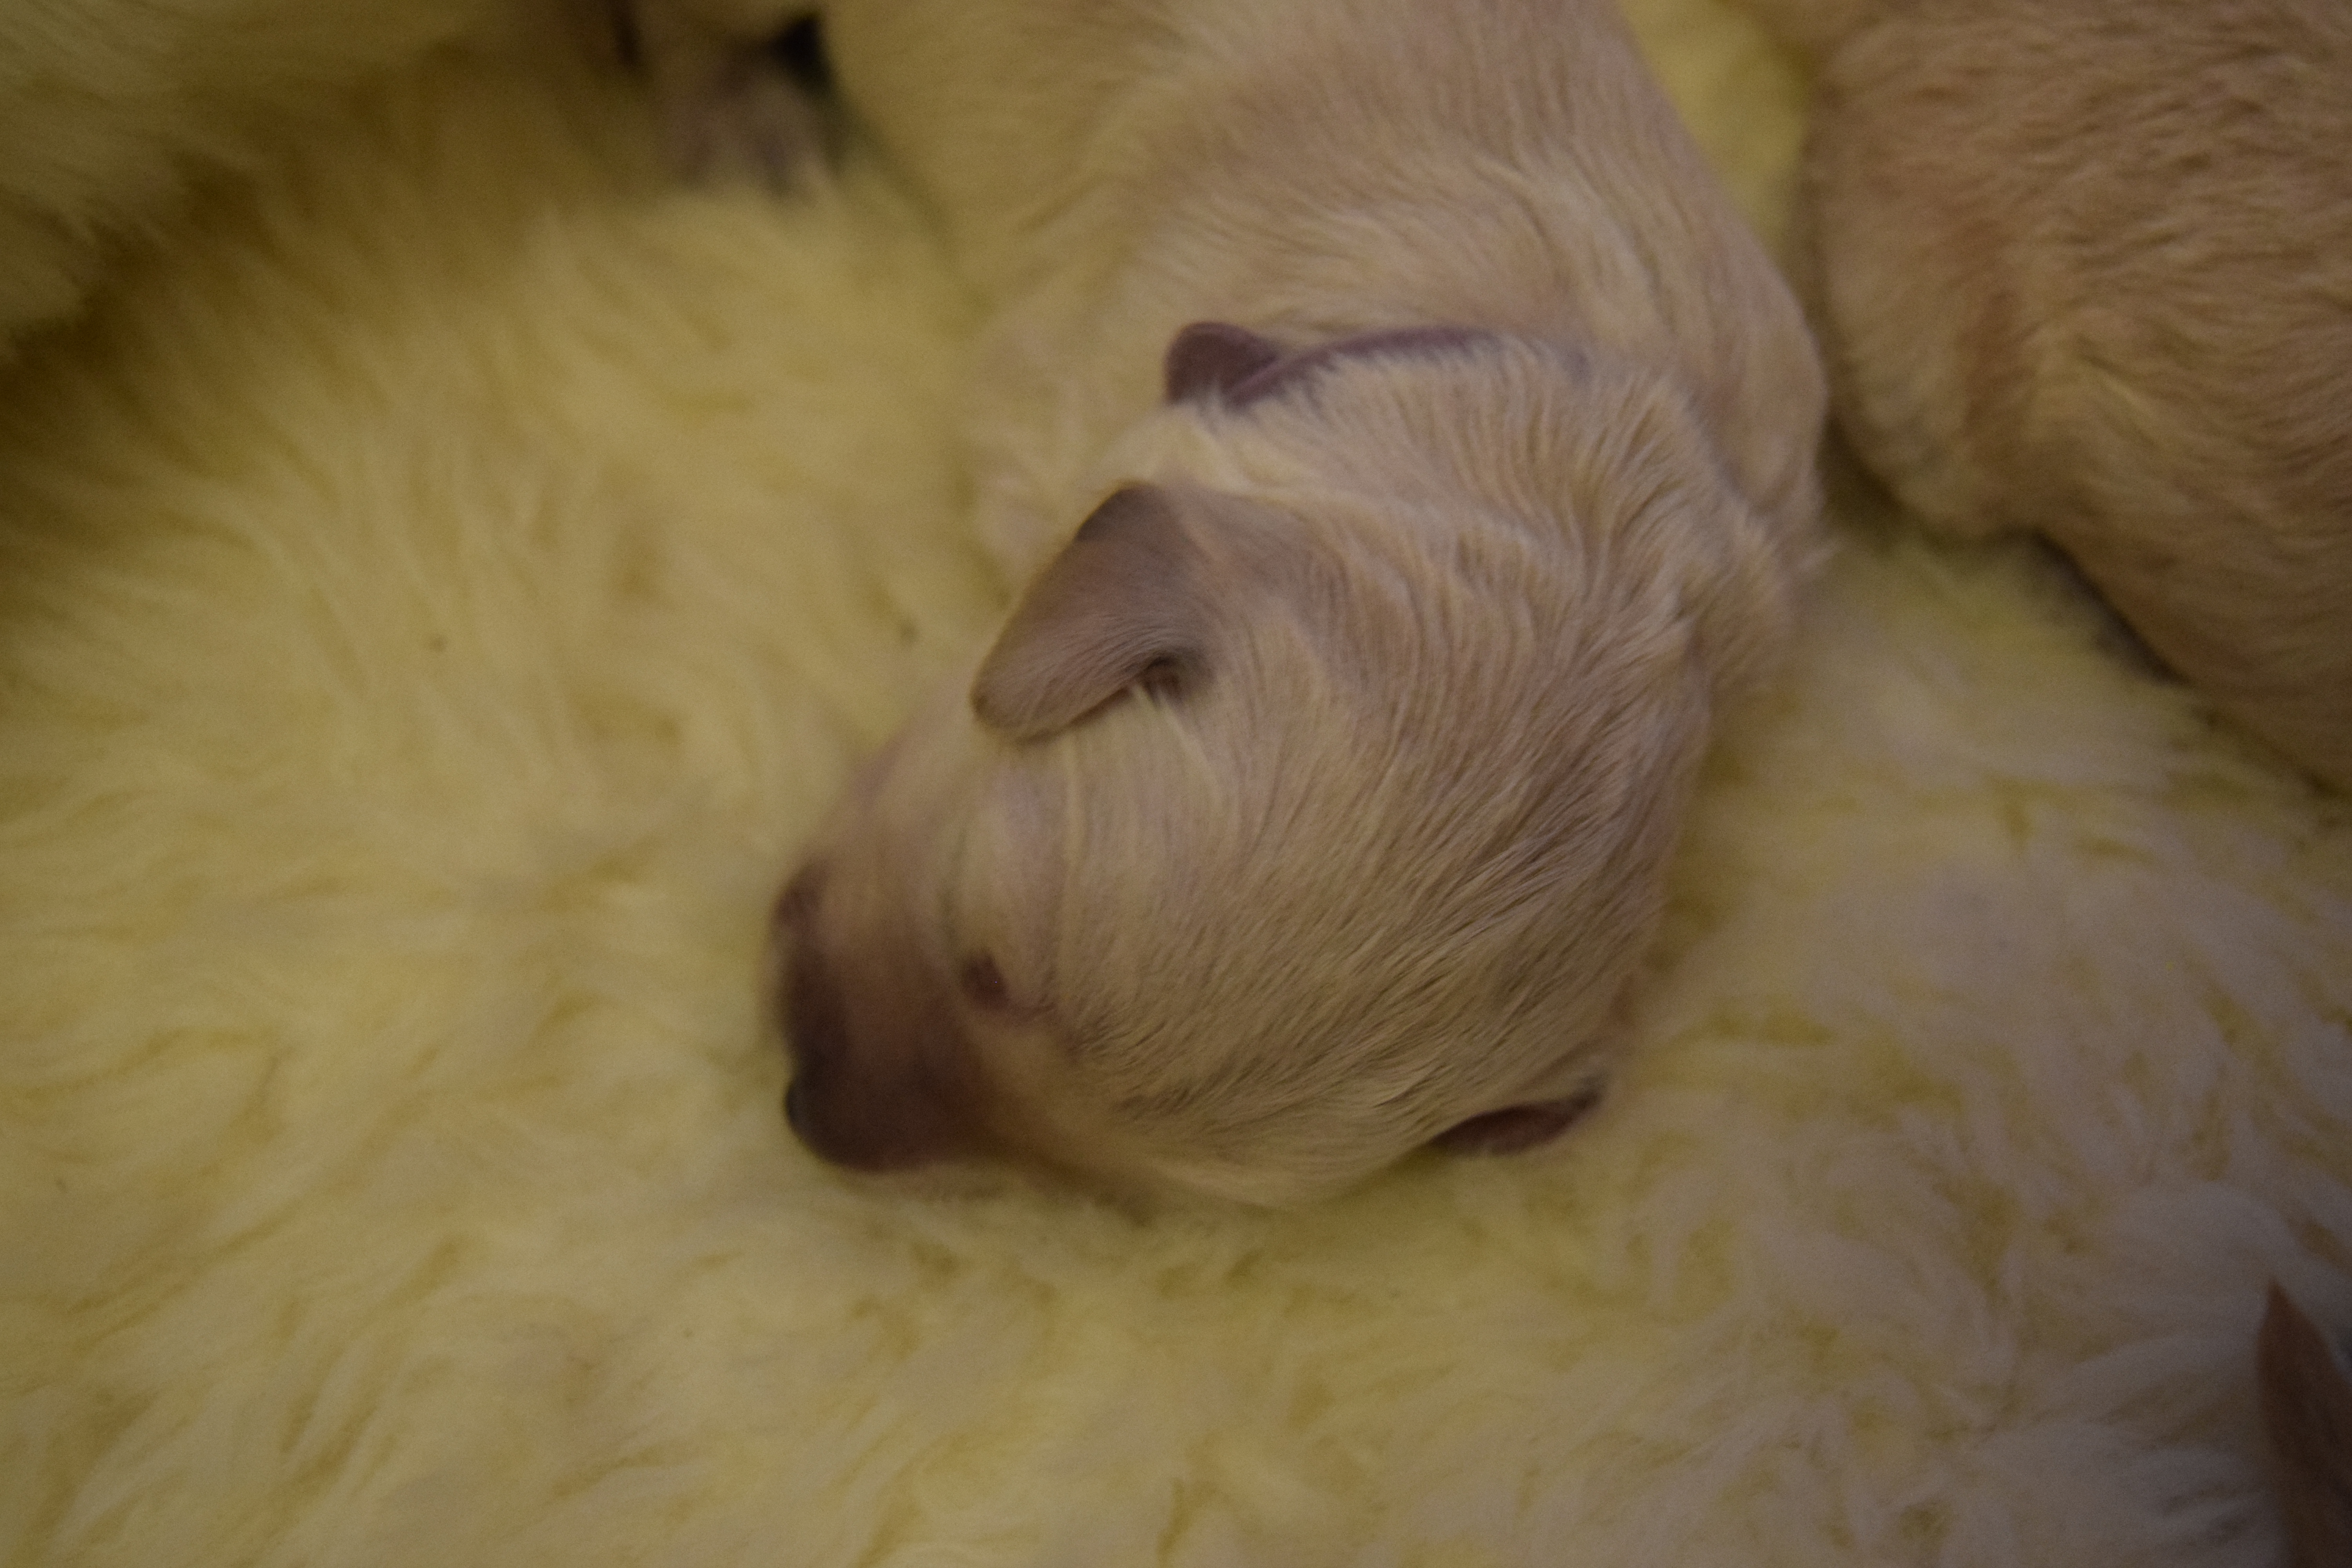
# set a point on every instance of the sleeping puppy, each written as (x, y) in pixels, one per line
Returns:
(2084, 267)
(1407, 451)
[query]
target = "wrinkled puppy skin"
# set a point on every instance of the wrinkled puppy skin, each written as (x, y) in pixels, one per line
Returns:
(2084, 267)
(1407, 451)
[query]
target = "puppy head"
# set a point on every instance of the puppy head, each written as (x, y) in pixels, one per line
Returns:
(1313, 803)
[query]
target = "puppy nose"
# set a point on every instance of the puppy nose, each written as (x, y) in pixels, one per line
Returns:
(833, 1104)
(815, 1036)
(869, 1090)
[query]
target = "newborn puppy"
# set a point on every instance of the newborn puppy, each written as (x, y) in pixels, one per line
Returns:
(1407, 451)
(2086, 267)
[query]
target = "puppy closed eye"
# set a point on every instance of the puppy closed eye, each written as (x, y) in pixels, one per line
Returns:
(980, 981)
(796, 906)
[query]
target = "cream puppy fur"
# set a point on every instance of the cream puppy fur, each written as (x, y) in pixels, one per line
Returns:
(2086, 267)
(1407, 451)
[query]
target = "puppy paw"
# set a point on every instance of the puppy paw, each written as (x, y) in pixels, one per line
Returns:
(729, 108)
(1518, 1127)
(738, 118)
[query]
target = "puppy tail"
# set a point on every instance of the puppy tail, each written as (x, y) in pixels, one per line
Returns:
(2306, 1402)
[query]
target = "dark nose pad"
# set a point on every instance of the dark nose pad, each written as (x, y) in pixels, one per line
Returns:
(878, 1080)
(790, 980)
(816, 1032)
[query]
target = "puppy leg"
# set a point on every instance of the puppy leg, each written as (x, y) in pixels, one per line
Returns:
(739, 87)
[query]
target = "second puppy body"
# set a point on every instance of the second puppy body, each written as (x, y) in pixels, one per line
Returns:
(1407, 450)
(2084, 267)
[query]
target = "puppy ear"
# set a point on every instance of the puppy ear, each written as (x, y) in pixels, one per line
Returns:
(1214, 357)
(1124, 603)
(1239, 368)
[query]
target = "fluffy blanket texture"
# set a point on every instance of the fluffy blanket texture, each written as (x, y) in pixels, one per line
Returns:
(438, 587)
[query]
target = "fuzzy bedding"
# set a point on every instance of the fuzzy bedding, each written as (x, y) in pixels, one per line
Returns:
(444, 575)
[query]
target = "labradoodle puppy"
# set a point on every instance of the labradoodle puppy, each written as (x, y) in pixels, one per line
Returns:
(1407, 451)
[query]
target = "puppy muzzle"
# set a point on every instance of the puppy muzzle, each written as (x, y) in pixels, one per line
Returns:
(882, 1074)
